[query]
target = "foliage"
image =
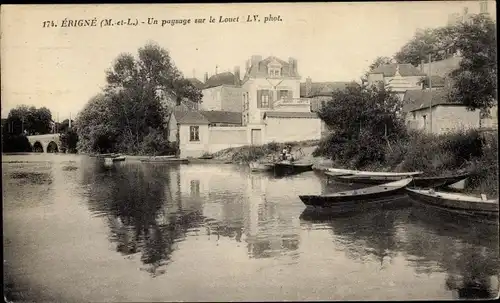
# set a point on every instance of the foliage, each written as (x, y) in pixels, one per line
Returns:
(15, 143)
(131, 114)
(63, 126)
(30, 120)
(475, 81)
(69, 141)
(438, 42)
(363, 121)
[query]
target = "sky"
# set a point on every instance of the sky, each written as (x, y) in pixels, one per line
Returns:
(61, 68)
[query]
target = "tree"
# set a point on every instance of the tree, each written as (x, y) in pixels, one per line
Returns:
(69, 140)
(132, 105)
(30, 120)
(438, 42)
(475, 80)
(363, 121)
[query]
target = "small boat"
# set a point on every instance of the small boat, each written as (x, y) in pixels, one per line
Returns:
(368, 179)
(260, 166)
(206, 157)
(372, 173)
(435, 182)
(359, 199)
(289, 168)
(460, 205)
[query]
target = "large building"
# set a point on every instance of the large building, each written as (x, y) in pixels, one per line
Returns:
(267, 100)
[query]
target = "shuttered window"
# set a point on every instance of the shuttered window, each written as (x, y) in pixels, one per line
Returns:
(264, 98)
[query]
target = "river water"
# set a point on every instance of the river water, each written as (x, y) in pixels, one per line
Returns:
(76, 231)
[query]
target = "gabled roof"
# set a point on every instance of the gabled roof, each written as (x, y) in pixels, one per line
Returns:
(419, 99)
(323, 88)
(225, 78)
(443, 67)
(406, 70)
(216, 116)
(260, 68)
(277, 114)
(196, 83)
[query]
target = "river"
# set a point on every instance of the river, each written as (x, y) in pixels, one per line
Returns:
(77, 231)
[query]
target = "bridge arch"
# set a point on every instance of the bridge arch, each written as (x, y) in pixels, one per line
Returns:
(52, 147)
(45, 143)
(38, 147)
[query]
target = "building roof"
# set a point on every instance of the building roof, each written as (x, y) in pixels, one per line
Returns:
(260, 68)
(190, 117)
(217, 116)
(406, 70)
(442, 68)
(225, 78)
(278, 114)
(322, 88)
(437, 81)
(196, 83)
(419, 99)
(187, 116)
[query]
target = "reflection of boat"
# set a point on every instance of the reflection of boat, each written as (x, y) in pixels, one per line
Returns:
(261, 166)
(118, 159)
(165, 160)
(358, 199)
(289, 168)
(460, 205)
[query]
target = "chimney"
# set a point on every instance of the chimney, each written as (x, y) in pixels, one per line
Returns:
(308, 86)
(206, 77)
(237, 78)
(466, 11)
(292, 67)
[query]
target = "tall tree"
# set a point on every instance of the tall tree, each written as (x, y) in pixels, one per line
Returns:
(363, 121)
(438, 42)
(135, 107)
(475, 80)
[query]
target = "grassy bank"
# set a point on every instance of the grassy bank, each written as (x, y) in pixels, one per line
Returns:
(270, 151)
(432, 154)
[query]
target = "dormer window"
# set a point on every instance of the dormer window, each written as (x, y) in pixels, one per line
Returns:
(274, 72)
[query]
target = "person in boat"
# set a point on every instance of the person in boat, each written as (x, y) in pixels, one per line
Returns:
(284, 153)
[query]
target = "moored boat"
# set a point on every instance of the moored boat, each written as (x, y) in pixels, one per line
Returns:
(289, 168)
(440, 181)
(358, 199)
(368, 179)
(118, 158)
(461, 205)
(373, 173)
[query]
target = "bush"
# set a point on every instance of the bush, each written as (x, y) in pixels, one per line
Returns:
(69, 141)
(155, 144)
(15, 144)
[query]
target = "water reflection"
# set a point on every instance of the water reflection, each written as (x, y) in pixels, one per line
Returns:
(468, 254)
(151, 208)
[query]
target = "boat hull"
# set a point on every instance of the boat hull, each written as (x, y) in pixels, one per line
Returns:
(372, 180)
(435, 182)
(284, 168)
(484, 212)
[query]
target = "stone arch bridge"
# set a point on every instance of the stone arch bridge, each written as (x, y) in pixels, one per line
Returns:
(49, 143)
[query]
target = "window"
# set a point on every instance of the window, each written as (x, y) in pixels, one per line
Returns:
(284, 94)
(263, 98)
(274, 72)
(194, 133)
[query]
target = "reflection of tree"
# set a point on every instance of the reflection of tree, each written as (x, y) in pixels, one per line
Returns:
(469, 255)
(141, 214)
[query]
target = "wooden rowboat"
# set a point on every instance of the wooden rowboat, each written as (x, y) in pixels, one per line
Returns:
(289, 168)
(483, 210)
(435, 182)
(373, 173)
(259, 166)
(359, 199)
(118, 158)
(367, 179)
